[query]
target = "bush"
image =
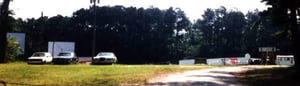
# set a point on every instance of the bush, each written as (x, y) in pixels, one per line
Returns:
(13, 50)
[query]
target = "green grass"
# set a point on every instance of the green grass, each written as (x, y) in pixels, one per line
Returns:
(84, 74)
(282, 76)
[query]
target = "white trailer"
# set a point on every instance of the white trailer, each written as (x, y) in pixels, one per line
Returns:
(284, 60)
(56, 47)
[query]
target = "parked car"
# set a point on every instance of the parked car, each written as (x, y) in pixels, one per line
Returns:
(40, 58)
(65, 58)
(104, 58)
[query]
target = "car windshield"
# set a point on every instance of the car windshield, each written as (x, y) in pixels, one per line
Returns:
(64, 54)
(38, 54)
(105, 54)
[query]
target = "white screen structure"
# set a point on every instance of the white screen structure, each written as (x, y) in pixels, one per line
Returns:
(57, 47)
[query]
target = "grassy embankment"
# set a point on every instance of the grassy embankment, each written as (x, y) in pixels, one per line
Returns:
(283, 76)
(84, 74)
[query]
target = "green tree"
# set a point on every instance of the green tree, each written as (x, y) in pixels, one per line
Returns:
(136, 35)
(4, 25)
(194, 38)
(232, 33)
(13, 50)
(251, 33)
(260, 32)
(222, 32)
(284, 14)
(206, 26)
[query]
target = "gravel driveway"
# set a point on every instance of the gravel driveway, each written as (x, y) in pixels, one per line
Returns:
(225, 76)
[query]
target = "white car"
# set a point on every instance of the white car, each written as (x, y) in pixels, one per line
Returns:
(40, 58)
(104, 58)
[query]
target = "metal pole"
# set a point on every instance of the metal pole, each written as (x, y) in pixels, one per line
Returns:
(94, 27)
(53, 43)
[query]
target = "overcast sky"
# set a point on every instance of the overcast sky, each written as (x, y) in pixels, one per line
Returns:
(193, 8)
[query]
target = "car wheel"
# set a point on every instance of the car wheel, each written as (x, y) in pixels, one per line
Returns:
(93, 63)
(76, 61)
(44, 62)
(70, 62)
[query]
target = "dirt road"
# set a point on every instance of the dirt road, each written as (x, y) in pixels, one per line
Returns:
(208, 77)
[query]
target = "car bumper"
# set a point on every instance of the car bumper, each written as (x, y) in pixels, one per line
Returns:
(35, 61)
(103, 60)
(61, 60)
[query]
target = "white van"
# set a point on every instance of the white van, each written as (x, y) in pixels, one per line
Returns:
(40, 58)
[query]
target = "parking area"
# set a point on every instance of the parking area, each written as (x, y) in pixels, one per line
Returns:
(85, 60)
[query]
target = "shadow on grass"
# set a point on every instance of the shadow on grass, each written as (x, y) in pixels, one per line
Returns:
(103, 82)
(3, 83)
(272, 77)
(101, 64)
(62, 64)
(184, 84)
(226, 80)
(36, 64)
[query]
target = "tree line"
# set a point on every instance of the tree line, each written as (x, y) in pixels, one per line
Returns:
(152, 35)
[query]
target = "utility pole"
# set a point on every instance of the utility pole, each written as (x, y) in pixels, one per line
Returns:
(94, 2)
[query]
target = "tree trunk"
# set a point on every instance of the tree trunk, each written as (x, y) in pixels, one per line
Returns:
(295, 37)
(3, 29)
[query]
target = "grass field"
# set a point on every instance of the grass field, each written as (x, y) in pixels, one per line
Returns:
(84, 74)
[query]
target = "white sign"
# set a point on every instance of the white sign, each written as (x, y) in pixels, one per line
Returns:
(267, 49)
(57, 47)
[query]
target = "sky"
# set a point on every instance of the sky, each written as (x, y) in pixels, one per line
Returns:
(193, 8)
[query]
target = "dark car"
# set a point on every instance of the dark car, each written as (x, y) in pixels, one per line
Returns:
(65, 58)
